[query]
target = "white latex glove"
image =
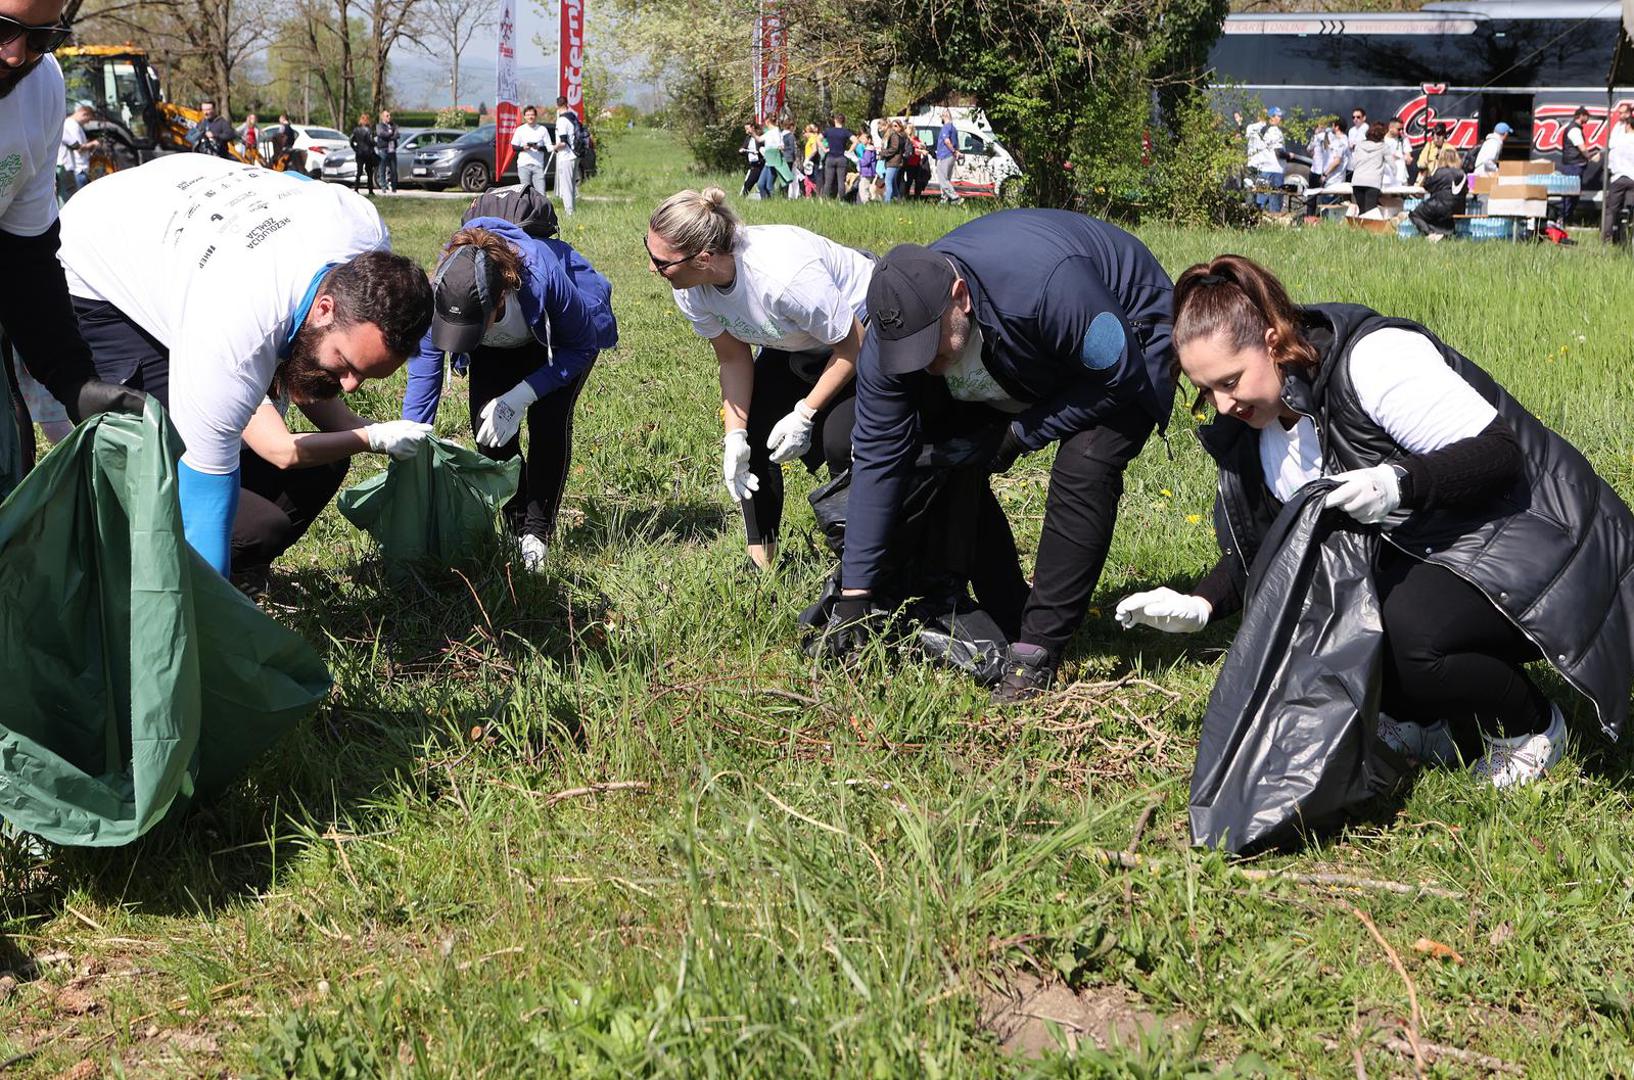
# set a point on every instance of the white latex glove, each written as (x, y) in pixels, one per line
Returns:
(502, 417)
(791, 437)
(740, 482)
(1166, 610)
(1368, 495)
(399, 438)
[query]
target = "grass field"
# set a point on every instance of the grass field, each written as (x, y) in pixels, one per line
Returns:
(812, 871)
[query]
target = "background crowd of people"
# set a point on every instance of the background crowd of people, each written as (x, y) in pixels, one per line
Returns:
(879, 162)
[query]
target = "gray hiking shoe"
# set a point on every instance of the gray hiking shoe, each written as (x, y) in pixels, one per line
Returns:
(1431, 744)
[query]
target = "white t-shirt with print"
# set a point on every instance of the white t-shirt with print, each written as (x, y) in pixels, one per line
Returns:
(30, 136)
(212, 257)
(969, 380)
(564, 136)
(527, 134)
(1405, 386)
(795, 290)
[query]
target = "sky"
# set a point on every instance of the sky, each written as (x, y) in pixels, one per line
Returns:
(422, 80)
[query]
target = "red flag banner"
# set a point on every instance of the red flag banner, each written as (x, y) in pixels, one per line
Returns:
(570, 52)
(768, 56)
(507, 109)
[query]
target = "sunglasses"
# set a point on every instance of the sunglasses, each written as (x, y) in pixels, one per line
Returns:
(41, 39)
(661, 265)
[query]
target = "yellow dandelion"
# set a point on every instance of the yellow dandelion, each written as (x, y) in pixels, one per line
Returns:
(1194, 519)
(1166, 493)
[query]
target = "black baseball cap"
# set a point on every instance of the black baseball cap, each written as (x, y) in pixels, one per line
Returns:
(465, 292)
(911, 287)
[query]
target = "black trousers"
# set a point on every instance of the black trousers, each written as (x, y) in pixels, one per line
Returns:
(781, 379)
(833, 177)
(1434, 216)
(1619, 194)
(1080, 510)
(752, 178)
(533, 509)
(365, 172)
(1451, 655)
(275, 506)
(1568, 203)
(1367, 198)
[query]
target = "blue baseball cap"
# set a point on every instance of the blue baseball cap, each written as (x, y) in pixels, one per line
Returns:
(1273, 111)
(1502, 128)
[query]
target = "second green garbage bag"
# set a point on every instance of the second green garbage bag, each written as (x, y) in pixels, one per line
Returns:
(136, 676)
(434, 507)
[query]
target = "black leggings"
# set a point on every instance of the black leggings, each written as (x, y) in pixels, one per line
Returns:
(365, 172)
(1367, 198)
(1451, 655)
(781, 379)
(277, 506)
(532, 510)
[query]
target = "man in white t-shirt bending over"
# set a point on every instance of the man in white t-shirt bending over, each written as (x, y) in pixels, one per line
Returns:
(213, 285)
(567, 157)
(530, 140)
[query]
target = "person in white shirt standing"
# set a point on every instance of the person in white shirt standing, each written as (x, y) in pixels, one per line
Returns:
(784, 310)
(1265, 151)
(1396, 154)
(74, 159)
(1619, 172)
(1486, 160)
(530, 140)
(567, 154)
(236, 287)
(1356, 135)
(35, 311)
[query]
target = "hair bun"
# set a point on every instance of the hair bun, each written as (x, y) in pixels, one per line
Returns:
(714, 196)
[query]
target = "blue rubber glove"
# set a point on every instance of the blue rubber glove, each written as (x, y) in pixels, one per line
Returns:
(209, 503)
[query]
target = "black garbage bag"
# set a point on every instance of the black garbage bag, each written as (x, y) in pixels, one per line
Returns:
(1290, 739)
(927, 572)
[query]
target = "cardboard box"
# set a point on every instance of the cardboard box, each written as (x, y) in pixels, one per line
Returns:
(1536, 168)
(1373, 225)
(1527, 208)
(1512, 186)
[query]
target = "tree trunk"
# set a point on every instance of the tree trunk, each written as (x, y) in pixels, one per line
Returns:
(876, 92)
(456, 80)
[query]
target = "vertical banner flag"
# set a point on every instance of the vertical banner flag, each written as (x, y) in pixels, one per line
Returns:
(769, 61)
(508, 108)
(570, 54)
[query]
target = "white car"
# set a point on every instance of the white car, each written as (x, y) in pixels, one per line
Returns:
(315, 142)
(987, 168)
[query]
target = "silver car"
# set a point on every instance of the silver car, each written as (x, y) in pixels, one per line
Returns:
(340, 165)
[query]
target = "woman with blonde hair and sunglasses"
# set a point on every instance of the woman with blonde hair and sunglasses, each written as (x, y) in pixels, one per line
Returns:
(1501, 545)
(529, 316)
(783, 309)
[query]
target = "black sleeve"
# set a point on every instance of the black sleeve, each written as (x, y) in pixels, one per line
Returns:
(39, 317)
(1219, 588)
(1468, 472)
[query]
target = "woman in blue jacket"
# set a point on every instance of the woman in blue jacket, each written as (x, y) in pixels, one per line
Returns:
(529, 316)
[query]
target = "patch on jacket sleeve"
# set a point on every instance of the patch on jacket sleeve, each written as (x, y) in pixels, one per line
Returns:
(1103, 344)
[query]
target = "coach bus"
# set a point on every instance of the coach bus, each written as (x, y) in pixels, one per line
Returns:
(1463, 66)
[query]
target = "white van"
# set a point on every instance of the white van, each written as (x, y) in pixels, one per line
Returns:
(986, 168)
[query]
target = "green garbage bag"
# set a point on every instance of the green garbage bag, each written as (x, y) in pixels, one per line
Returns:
(136, 676)
(433, 507)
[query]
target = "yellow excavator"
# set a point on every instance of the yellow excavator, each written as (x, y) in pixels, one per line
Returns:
(132, 122)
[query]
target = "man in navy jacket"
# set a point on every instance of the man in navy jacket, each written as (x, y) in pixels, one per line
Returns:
(1048, 326)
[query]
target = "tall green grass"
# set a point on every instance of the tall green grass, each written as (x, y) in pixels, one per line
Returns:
(822, 871)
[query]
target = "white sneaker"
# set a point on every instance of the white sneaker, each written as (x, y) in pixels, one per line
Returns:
(533, 553)
(1522, 758)
(1431, 744)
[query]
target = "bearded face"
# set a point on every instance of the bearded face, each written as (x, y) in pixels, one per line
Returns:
(299, 377)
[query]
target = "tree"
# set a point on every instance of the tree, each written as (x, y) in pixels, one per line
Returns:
(208, 41)
(452, 24)
(390, 22)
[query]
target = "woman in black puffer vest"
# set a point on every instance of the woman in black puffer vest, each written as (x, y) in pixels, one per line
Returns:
(1502, 544)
